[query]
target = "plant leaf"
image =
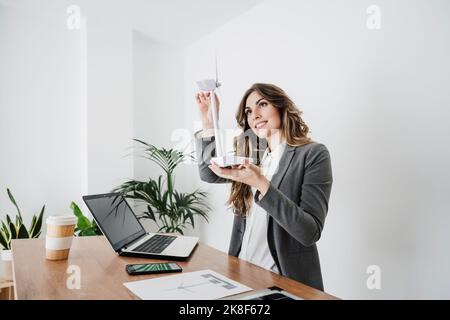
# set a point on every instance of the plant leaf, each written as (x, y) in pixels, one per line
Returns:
(36, 229)
(22, 232)
(82, 221)
(4, 240)
(12, 230)
(33, 222)
(179, 230)
(14, 202)
(8, 220)
(76, 210)
(150, 212)
(191, 217)
(88, 232)
(96, 228)
(5, 229)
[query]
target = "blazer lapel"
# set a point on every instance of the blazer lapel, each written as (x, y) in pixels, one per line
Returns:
(285, 161)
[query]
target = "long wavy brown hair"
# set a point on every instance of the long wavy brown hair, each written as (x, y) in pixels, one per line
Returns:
(293, 130)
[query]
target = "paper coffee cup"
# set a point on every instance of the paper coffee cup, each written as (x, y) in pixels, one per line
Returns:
(59, 236)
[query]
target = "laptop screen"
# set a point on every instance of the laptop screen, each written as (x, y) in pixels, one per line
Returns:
(115, 218)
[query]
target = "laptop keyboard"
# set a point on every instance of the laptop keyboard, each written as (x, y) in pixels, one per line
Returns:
(155, 244)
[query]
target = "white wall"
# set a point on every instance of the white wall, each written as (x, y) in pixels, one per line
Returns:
(378, 100)
(41, 122)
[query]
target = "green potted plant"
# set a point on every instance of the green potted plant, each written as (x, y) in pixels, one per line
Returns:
(84, 226)
(15, 229)
(171, 210)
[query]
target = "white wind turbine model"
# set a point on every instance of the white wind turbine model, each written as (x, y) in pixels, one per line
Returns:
(221, 159)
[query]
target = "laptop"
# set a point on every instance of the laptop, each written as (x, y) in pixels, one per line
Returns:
(128, 237)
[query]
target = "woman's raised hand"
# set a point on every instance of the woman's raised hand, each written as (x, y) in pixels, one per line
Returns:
(204, 105)
(247, 173)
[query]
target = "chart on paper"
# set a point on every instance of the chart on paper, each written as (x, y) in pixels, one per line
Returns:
(199, 285)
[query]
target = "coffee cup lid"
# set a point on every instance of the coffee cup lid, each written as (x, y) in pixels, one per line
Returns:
(61, 220)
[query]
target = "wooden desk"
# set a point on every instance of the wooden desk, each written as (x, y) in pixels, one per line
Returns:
(103, 272)
(6, 289)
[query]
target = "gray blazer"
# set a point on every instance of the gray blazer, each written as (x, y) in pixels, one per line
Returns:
(296, 203)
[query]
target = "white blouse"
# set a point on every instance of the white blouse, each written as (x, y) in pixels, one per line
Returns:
(255, 248)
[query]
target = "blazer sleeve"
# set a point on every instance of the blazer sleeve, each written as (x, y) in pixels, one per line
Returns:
(206, 149)
(304, 222)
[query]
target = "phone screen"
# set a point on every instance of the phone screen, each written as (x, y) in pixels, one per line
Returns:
(155, 267)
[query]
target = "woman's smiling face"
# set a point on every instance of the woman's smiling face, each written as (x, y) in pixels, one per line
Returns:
(262, 117)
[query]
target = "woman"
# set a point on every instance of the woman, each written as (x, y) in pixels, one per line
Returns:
(279, 226)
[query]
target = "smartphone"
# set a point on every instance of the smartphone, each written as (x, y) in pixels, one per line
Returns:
(151, 268)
